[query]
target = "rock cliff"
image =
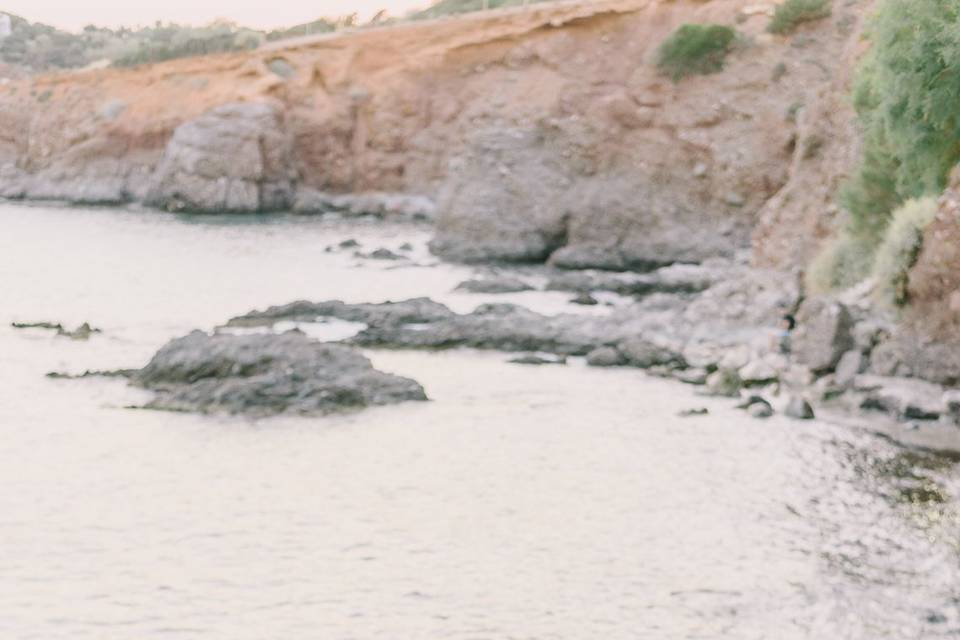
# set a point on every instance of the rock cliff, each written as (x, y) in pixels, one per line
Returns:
(541, 133)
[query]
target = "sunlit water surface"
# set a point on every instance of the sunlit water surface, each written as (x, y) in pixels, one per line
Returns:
(521, 502)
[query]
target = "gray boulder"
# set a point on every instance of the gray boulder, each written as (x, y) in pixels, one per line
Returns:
(605, 357)
(760, 410)
(799, 409)
(263, 375)
(235, 158)
(500, 201)
(645, 353)
(724, 382)
(823, 334)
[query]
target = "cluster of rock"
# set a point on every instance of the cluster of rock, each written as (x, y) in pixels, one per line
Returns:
(856, 358)
(721, 339)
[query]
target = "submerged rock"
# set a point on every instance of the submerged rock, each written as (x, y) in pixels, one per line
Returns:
(585, 299)
(417, 311)
(699, 411)
(262, 375)
(83, 332)
(381, 254)
(53, 326)
(536, 359)
(494, 285)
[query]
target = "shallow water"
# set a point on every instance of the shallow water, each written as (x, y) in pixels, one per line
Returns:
(522, 502)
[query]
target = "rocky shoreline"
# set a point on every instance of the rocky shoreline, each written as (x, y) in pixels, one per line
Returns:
(710, 325)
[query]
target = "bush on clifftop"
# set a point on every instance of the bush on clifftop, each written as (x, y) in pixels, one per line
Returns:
(695, 49)
(792, 13)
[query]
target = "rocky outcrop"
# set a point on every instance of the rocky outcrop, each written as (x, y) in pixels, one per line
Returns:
(235, 158)
(263, 375)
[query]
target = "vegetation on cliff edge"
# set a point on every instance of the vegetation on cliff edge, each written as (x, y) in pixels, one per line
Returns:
(792, 13)
(906, 96)
(695, 49)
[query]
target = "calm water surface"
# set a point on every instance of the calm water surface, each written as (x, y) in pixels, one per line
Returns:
(527, 503)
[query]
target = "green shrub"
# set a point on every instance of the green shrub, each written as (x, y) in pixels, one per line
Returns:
(906, 95)
(843, 262)
(792, 13)
(900, 248)
(695, 49)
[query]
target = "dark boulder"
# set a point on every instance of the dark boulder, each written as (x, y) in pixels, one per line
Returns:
(263, 375)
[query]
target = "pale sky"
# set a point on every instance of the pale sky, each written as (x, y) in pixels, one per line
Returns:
(75, 14)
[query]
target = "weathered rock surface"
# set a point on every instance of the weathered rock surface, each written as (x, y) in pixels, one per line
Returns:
(262, 375)
(235, 158)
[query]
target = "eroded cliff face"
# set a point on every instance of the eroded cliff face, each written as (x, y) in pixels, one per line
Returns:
(541, 133)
